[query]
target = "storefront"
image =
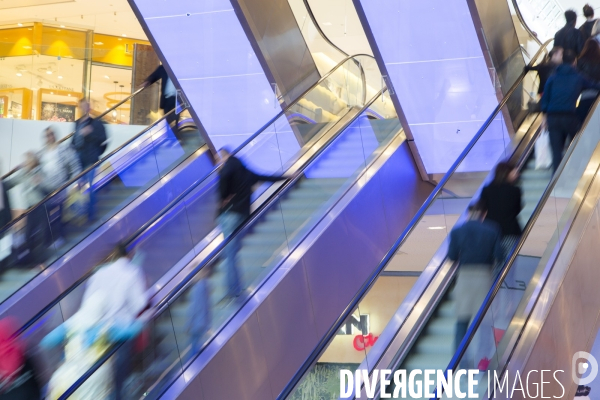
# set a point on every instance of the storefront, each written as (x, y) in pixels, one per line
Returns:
(45, 69)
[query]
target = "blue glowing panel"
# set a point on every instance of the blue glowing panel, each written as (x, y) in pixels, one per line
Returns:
(209, 53)
(436, 65)
(349, 153)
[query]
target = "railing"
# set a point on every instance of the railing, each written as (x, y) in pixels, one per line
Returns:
(368, 285)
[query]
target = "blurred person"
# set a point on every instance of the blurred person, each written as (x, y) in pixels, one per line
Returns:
(90, 142)
(588, 65)
(235, 191)
(588, 25)
(5, 209)
(502, 200)
(476, 246)
(547, 68)
(569, 37)
(113, 300)
(34, 188)
(59, 162)
(200, 311)
(559, 105)
(168, 96)
(18, 380)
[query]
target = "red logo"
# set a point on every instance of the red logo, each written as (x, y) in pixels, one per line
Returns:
(361, 342)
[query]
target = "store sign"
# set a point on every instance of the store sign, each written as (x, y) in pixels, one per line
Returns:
(361, 342)
(358, 325)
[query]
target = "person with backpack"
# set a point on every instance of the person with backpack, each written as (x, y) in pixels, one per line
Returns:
(588, 25)
(90, 141)
(59, 163)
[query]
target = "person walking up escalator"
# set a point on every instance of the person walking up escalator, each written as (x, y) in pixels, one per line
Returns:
(235, 190)
(168, 97)
(588, 25)
(476, 245)
(569, 37)
(588, 65)
(559, 104)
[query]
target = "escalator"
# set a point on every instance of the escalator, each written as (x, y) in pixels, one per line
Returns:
(273, 247)
(37, 266)
(403, 316)
(182, 238)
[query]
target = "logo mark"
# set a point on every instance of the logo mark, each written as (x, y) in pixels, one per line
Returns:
(584, 363)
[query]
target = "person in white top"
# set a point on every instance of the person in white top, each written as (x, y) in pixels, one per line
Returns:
(112, 303)
(59, 164)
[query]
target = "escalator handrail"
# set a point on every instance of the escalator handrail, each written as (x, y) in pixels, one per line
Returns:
(522, 20)
(82, 173)
(193, 187)
(70, 135)
(323, 343)
(174, 293)
(517, 248)
(161, 214)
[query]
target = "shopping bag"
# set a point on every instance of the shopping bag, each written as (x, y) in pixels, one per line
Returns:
(543, 152)
(6, 244)
(75, 206)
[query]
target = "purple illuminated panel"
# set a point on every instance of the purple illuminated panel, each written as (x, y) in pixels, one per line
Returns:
(435, 62)
(209, 53)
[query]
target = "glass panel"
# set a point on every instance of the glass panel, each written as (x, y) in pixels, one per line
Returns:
(50, 229)
(508, 312)
(219, 290)
(423, 249)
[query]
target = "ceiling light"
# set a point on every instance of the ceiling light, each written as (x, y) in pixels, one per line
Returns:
(19, 74)
(69, 94)
(60, 77)
(436, 227)
(51, 92)
(20, 24)
(29, 29)
(124, 35)
(98, 43)
(62, 26)
(107, 77)
(327, 24)
(120, 38)
(49, 72)
(58, 30)
(26, 47)
(91, 91)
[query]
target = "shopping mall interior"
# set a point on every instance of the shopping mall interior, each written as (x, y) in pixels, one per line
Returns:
(274, 196)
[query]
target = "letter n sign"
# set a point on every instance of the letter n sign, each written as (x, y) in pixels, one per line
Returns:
(356, 324)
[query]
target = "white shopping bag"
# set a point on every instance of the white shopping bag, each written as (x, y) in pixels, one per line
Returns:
(543, 151)
(6, 244)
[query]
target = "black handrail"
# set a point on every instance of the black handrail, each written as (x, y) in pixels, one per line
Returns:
(193, 187)
(311, 359)
(216, 253)
(147, 225)
(515, 252)
(120, 103)
(522, 20)
(83, 173)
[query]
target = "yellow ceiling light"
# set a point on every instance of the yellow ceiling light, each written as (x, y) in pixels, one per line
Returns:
(19, 74)
(60, 77)
(98, 43)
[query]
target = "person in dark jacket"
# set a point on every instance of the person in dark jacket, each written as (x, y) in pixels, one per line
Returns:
(168, 96)
(588, 65)
(547, 68)
(501, 200)
(89, 141)
(476, 245)
(235, 191)
(569, 37)
(559, 104)
(588, 25)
